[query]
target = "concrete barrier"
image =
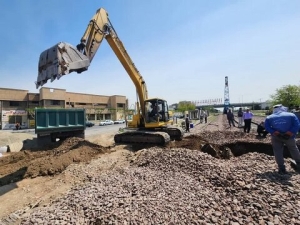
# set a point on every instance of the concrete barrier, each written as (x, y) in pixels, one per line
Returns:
(3, 149)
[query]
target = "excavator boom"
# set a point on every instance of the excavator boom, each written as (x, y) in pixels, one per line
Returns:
(63, 58)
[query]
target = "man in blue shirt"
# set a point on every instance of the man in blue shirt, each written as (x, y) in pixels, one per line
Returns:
(283, 127)
(247, 117)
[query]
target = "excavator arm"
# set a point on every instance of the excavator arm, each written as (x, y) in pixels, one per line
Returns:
(63, 58)
(120, 51)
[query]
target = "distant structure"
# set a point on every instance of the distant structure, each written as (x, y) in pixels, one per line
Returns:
(226, 96)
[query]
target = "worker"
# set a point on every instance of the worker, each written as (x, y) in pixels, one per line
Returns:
(283, 126)
(201, 112)
(230, 118)
(154, 114)
(261, 131)
(187, 123)
(240, 117)
(247, 117)
(205, 116)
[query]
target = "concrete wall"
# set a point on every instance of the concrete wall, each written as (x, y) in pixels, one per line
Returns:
(86, 98)
(13, 94)
(52, 93)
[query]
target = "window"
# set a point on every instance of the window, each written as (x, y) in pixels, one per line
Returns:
(120, 105)
(12, 103)
(55, 102)
(34, 103)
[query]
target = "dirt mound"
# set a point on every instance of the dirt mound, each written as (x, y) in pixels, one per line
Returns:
(31, 164)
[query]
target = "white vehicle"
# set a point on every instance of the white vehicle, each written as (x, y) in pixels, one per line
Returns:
(109, 122)
(119, 121)
(106, 122)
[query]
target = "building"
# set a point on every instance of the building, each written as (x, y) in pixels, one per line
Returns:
(17, 106)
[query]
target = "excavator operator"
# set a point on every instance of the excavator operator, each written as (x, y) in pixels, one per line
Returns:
(155, 113)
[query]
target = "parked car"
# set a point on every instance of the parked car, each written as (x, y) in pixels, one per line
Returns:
(89, 124)
(109, 122)
(102, 123)
(119, 121)
(106, 122)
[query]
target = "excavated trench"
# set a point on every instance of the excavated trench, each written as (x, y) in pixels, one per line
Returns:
(30, 164)
(228, 148)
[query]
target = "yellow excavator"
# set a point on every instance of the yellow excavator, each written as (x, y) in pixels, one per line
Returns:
(151, 124)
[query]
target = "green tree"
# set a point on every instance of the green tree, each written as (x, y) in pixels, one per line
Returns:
(288, 95)
(185, 106)
(31, 112)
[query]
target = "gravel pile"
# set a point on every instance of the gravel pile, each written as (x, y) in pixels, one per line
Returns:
(180, 186)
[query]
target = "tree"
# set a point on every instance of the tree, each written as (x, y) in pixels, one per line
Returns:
(98, 112)
(185, 106)
(288, 95)
(31, 112)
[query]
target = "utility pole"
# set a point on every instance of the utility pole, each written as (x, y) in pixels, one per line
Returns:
(226, 96)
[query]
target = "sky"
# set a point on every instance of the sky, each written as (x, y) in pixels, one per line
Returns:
(183, 49)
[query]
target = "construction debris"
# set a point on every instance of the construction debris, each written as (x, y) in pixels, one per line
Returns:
(213, 176)
(181, 186)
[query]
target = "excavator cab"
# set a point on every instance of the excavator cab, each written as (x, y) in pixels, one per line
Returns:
(156, 112)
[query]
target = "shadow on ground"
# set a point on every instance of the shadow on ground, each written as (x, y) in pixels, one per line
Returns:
(10, 179)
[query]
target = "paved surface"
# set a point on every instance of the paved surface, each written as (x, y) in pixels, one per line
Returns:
(15, 139)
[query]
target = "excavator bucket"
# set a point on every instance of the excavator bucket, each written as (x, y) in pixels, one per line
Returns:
(60, 60)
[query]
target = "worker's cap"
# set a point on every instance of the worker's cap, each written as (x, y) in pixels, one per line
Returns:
(277, 106)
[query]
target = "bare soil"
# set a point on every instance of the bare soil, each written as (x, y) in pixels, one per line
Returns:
(50, 170)
(30, 164)
(34, 177)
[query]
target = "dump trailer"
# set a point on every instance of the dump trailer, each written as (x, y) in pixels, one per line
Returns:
(51, 124)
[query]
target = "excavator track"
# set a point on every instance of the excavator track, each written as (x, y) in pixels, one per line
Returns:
(155, 137)
(176, 133)
(142, 137)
